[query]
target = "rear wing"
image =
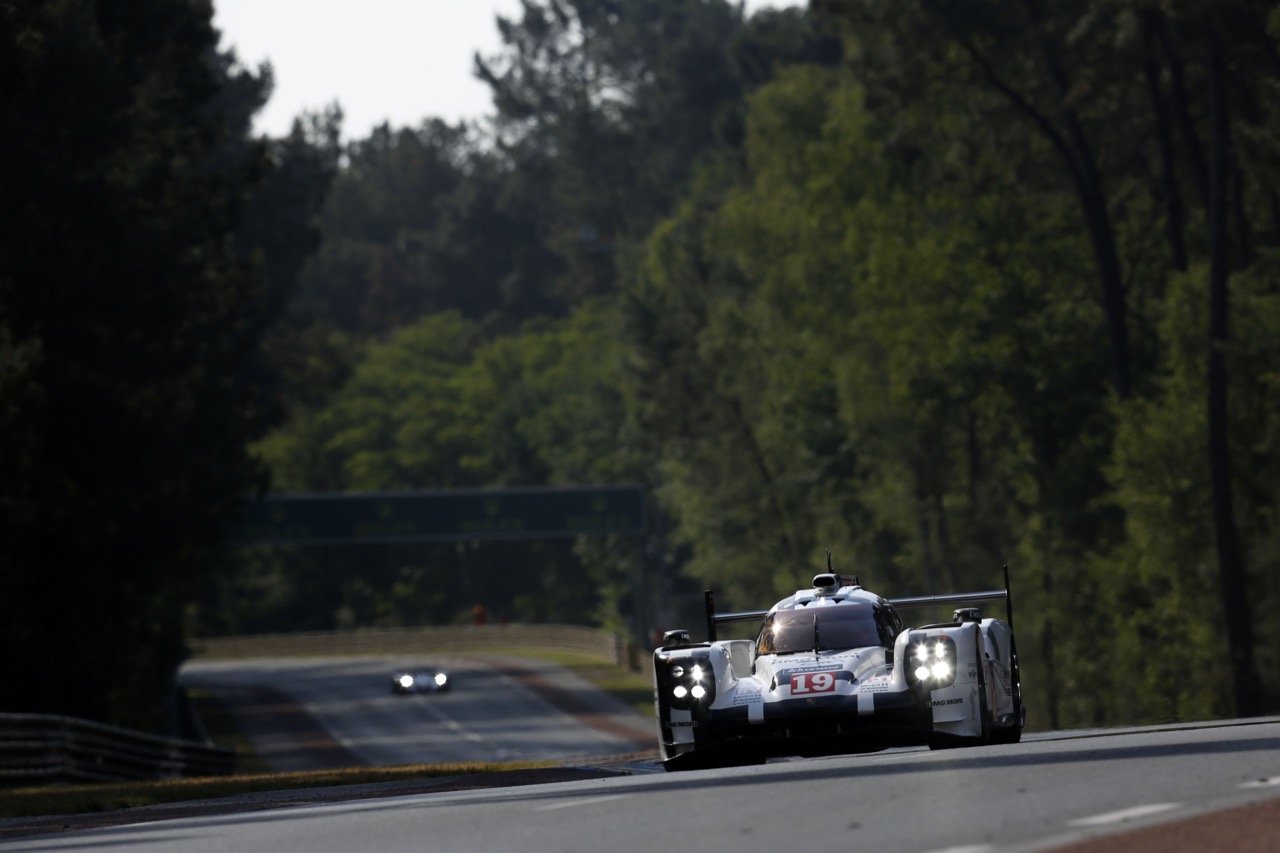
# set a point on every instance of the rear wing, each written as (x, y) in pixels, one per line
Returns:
(714, 619)
(964, 598)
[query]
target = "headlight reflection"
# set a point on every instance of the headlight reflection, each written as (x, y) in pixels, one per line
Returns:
(933, 662)
(691, 682)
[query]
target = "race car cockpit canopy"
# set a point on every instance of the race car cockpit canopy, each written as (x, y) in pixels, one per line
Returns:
(849, 625)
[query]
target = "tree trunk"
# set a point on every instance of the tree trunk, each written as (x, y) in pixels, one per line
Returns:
(1078, 153)
(1164, 129)
(1093, 200)
(1177, 79)
(1235, 600)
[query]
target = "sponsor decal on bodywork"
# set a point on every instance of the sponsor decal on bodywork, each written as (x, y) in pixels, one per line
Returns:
(747, 692)
(817, 667)
(952, 709)
(878, 684)
(750, 695)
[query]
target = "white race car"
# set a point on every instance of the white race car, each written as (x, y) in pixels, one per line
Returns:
(834, 670)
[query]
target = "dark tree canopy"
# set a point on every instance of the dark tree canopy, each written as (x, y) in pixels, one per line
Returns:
(136, 279)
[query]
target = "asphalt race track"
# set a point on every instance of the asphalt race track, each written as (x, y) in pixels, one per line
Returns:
(322, 713)
(1209, 787)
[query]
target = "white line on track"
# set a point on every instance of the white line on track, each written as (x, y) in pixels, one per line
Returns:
(1124, 814)
(449, 723)
(911, 755)
(966, 848)
(1264, 782)
(575, 803)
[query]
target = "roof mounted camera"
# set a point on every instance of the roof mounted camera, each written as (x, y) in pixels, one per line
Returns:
(830, 582)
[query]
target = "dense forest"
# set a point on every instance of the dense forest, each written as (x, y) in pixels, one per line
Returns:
(937, 287)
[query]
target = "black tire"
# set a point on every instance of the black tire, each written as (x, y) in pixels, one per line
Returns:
(1012, 734)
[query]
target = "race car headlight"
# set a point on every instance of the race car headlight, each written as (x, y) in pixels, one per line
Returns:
(933, 662)
(688, 684)
(441, 679)
(406, 681)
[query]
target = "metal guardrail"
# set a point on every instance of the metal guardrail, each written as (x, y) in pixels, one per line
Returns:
(417, 641)
(42, 749)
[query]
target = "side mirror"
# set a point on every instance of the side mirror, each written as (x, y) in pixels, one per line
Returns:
(677, 637)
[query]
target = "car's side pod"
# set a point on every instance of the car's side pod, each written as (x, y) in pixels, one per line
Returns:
(1008, 712)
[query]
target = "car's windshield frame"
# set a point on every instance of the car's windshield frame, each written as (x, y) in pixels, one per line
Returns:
(830, 628)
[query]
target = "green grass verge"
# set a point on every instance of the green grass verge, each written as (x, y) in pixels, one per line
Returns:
(253, 776)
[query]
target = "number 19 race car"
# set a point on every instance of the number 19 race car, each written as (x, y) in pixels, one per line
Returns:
(833, 670)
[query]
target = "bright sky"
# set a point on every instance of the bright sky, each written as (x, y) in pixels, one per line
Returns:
(397, 61)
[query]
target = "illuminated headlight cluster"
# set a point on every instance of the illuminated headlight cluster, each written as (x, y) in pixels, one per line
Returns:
(691, 683)
(931, 661)
(406, 681)
(441, 679)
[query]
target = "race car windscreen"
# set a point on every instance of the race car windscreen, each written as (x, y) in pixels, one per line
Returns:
(820, 629)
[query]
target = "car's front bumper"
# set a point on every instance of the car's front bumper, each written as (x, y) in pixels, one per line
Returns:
(805, 727)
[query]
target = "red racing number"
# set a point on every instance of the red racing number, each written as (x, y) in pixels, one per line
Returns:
(813, 682)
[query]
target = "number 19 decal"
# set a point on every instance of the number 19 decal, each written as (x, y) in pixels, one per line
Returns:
(812, 682)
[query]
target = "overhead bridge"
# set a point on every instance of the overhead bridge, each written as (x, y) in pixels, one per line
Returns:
(336, 518)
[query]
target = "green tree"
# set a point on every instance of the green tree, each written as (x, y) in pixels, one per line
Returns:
(421, 221)
(438, 407)
(130, 330)
(608, 106)
(861, 348)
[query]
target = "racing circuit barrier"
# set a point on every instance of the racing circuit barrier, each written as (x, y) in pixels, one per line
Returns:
(420, 641)
(37, 749)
